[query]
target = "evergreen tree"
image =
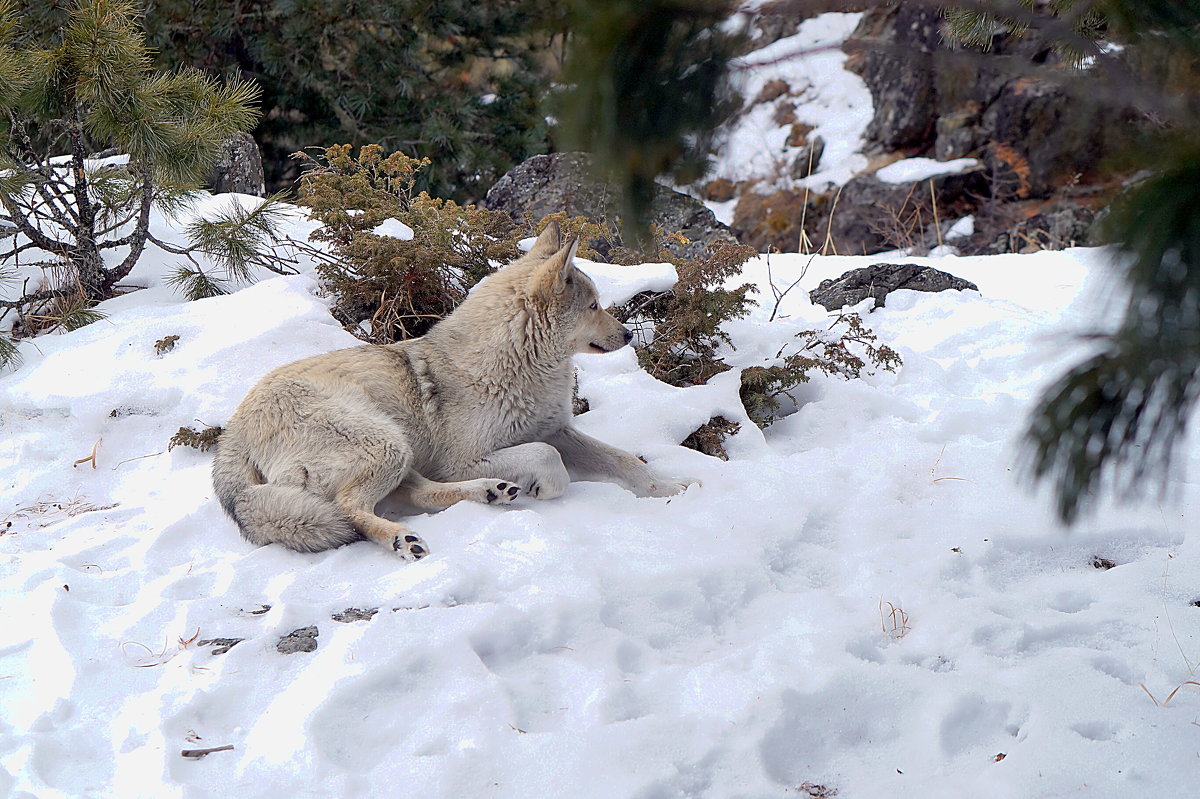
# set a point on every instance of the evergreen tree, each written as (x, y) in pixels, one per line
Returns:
(89, 92)
(458, 81)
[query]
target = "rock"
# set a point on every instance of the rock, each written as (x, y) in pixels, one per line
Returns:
(958, 135)
(895, 50)
(238, 168)
(875, 216)
(1043, 137)
(355, 614)
(1060, 225)
(879, 280)
(301, 640)
(808, 160)
(775, 19)
(547, 184)
(220, 645)
(955, 100)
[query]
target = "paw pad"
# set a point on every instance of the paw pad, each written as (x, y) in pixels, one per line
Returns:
(410, 547)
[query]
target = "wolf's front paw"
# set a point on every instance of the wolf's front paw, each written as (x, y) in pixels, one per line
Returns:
(410, 547)
(498, 492)
(670, 486)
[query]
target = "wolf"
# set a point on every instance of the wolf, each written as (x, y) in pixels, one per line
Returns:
(479, 409)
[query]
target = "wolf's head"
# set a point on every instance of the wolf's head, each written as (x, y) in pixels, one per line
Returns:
(566, 298)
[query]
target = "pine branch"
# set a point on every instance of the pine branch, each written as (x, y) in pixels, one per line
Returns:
(1115, 419)
(196, 284)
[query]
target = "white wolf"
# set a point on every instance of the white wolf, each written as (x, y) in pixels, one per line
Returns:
(479, 408)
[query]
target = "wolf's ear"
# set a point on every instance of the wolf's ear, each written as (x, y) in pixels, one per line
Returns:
(551, 275)
(548, 242)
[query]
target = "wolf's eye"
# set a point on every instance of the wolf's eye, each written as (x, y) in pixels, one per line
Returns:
(595, 306)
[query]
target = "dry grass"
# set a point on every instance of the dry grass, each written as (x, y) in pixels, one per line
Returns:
(829, 245)
(152, 659)
(1191, 666)
(893, 620)
(203, 440)
(51, 511)
(90, 458)
(1170, 696)
(933, 478)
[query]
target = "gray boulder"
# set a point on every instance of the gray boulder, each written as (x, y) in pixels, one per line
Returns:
(879, 280)
(897, 50)
(238, 168)
(547, 184)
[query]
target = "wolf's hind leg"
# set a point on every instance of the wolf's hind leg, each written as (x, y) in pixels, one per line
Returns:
(358, 505)
(426, 493)
(368, 461)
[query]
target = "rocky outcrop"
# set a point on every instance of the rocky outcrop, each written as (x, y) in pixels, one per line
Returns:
(547, 184)
(1043, 143)
(879, 280)
(953, 102)
(775, 19)
(897, 51)
(873, 216)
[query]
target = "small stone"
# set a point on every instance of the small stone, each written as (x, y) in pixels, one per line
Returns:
(301, 640)
(221, 645)
(355, 614)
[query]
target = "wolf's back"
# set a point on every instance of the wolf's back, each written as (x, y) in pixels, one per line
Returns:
(270, 513)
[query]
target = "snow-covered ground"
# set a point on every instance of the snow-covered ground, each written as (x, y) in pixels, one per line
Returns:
(862, 600)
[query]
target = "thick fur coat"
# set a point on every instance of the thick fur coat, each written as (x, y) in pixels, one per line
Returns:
(479, 409)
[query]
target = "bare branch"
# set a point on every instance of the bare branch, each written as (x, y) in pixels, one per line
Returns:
(137, 239)
(36, 297)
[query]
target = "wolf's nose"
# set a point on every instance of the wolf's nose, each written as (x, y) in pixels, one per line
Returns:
(628, 335)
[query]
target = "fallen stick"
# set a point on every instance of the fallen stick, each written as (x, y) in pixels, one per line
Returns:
(199, 753)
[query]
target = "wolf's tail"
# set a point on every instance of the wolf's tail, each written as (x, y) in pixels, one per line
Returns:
(270, 513)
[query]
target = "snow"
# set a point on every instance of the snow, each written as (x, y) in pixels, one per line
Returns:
(832, 100)
(394, 228)
(962, 228)
(909, 170)
(738, 640)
